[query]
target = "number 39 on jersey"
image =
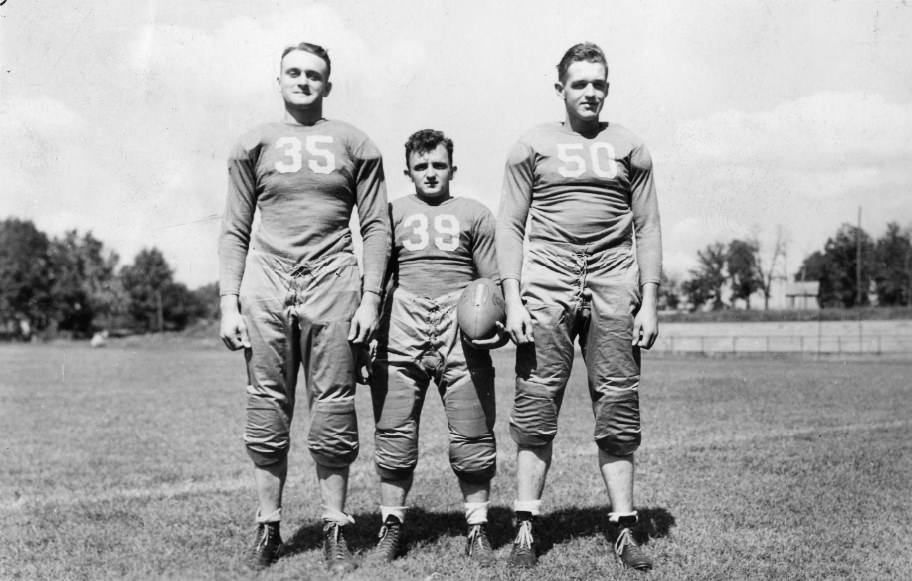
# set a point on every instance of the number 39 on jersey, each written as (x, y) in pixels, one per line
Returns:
(443, 232)
(293, 152)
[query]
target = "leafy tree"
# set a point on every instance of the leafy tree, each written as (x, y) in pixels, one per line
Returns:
(893, 264)
(85, 292)
(669, 292)
(145, 282)
(835, 268)
(743, 270)
(706, 281)
(25, 273)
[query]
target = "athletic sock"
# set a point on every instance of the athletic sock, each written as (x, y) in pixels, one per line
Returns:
(627, 519)
(476, 512)
(533, 507)
(396, 511)
(333, 515)
(275, 516)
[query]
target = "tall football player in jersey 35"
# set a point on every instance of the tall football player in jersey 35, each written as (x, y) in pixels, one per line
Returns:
(440, 244)
(591, 274)
(292, 295)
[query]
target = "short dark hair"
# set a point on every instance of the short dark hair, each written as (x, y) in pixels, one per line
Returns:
(584, 51)
(314, 49)
(427, 140)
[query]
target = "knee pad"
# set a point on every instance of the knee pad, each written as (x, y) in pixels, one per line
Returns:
(394, 474)
(617, 422)
(479, 477)
(333, 437)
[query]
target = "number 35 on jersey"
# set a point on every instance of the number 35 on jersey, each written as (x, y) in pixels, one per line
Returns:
(293, 152)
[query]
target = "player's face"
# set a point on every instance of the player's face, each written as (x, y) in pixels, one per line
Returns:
(583, 90)
(302, 79)
(431, 172)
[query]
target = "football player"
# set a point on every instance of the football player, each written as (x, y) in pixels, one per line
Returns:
(440, 244)
(291, 292)
(587, 186)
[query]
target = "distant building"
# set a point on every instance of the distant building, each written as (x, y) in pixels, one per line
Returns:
(802, 295)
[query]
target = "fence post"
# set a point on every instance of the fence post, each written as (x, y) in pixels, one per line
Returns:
(801, 344)
(839, 345)
(734, 345)
(878, 344)
(702, 348)
(671, 342)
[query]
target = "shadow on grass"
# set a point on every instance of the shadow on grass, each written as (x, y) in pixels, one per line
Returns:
(426, 527)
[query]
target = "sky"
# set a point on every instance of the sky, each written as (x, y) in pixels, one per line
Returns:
(761, 117)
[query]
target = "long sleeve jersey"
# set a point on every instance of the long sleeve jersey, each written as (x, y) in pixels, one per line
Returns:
(305, 181)
(591, 191)
(441, 248)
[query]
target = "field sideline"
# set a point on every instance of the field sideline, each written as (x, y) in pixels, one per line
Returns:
(127, 462)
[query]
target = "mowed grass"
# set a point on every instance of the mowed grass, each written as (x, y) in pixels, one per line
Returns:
(127, 462)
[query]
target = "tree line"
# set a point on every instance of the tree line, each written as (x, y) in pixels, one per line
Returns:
(73, 285)
(737, 271)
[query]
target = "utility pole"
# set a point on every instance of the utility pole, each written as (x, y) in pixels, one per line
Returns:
(858, 291)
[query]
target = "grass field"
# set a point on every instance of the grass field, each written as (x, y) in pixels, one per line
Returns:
(127, 462)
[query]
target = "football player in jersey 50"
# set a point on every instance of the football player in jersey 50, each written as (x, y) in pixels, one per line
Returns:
(591, 274)
(440, 244)
(291, 292)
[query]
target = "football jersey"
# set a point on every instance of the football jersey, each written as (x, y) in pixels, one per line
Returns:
(589, 191)
(440, 248)
(305, 181)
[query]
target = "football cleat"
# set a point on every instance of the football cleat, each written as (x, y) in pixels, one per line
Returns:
(389, 543)
(335, 549)
(523, 553)
(629, 553)
(267, 547)
(478, 547)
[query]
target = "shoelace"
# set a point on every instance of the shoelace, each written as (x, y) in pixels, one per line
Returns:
(393, 533)
(524, 536)
(475, 535)
(264, 540)
(624, 539)
(336, 548)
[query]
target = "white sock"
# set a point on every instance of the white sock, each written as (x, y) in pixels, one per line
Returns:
(530, 506)
(476, 512)
(276, 516)
(331, 514)
(396, 511)
(614, 517)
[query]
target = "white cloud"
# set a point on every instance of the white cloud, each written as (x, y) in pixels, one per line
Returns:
(806, 165)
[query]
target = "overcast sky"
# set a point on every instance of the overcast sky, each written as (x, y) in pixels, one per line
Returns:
(117, 117)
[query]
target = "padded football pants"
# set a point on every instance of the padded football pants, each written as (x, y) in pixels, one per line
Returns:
(419, 340)
(300, 314)
(571, 293)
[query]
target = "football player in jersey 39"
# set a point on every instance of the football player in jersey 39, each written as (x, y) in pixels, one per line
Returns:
(588, 186)
(292, 295)
(440, 244)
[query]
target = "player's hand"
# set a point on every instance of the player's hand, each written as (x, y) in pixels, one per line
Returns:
(364, 323)
(519, 323)
(646, 321)
(363, 359)
(500, 338)
(232, 329)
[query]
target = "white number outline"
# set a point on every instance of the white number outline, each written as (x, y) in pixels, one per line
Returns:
(566, 153)
(291, 148)
(444, 224)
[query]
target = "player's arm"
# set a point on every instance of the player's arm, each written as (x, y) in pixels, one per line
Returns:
(647, 229)
(486, 266)
(234, 241)
(373, 216)
(515, 201)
